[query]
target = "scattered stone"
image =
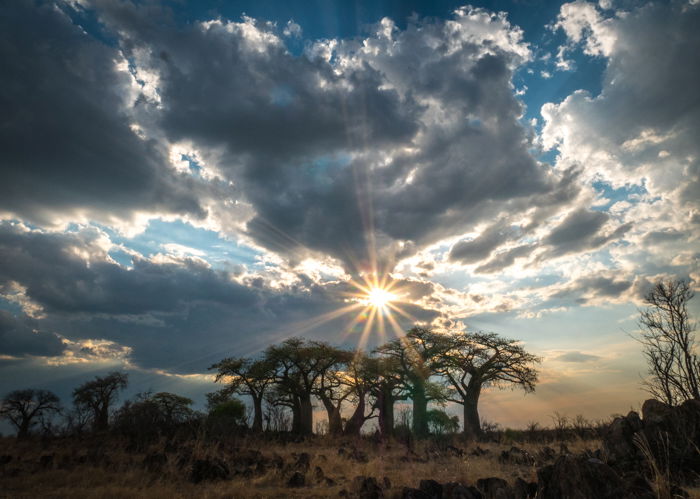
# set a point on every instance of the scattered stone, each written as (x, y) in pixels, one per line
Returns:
(297, 479)
(455, 490)
(517, 456)
(303, 462)
(524, 490)
(494, 488)
(409, 493)
(208, 470)
(579, 477)
(366, 487)
(432, 488)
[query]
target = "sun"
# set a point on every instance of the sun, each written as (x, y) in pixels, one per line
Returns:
(380, 297)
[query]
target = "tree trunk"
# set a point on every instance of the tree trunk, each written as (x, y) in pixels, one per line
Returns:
(335, 422)
(472, 425)
(354, 424)
(306, 415)
(385, 403)
(420, 410)
(258, 414)
(296, 415)
(102, 419)
(23, 429)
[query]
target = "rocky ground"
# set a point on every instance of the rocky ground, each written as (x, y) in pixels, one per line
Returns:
(655, 455)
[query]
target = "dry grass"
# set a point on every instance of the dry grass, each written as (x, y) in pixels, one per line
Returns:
(122, 473)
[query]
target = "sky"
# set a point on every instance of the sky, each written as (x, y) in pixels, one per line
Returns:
(186, 181)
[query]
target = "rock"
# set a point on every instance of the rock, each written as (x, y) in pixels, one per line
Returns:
(494, 488)
(618, 441)
(455, 451)
(432, 488)
(208, 470)
(366, 487)
(296, 480)
(478, 451)
(675, 433)
(654, 411)
(524, 490)
(454, 490)
(409, 493)
(386, 482)
(546, 453)
(303, 462)
(318, 474)
(578, 477)
(516, 455)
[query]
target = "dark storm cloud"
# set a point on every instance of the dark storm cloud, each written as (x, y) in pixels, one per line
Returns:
(480, 247)
(581, 230)
(175, 314)
(586, 289)
(55, 273)
(67, 146)
(327, 149)
(505, 259)
(19, 337)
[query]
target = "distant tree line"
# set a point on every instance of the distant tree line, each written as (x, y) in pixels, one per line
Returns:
(422, 366)
(289, 379)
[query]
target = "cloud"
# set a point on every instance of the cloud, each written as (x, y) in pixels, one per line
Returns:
(576, 356)
(19, 337)
(581, 230)
(409, 136)
(69, 150)
(172, 313)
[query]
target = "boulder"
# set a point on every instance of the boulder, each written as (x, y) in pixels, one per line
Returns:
(524, 490)
(366, 487)
(455, 490)
(618, 441)
(432, 488)
(494, 488)
(208, 470)
(578, 477)
(297, 480)
(410, 493)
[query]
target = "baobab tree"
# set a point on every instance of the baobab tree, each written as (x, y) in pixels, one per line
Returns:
(98, 395)
(669, 346)
(247, 377)
(23, 408)
(299, 364)
(417, 356)
(475, 361)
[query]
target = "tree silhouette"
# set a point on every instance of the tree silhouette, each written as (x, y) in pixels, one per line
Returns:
(247, 377)
(478, 360)
(298, 367)
(23, 408)
(668, 339)
(418, 355)
(98, 395)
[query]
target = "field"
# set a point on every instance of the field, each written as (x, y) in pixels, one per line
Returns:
(247, 467)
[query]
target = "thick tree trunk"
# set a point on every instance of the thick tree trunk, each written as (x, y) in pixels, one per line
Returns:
(354, 424)
(335, 422)
(420, 410)
(307, 415)
(385, 403)
(296, 415)
(23, 430)
(472, 425)
(102, 419)
(257, 414)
